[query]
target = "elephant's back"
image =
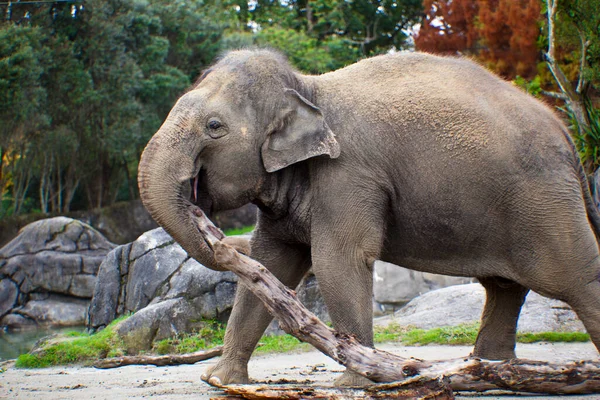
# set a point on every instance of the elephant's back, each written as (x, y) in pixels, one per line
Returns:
(441, 105)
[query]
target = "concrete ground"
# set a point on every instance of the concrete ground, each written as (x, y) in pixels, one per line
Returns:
(183, 382)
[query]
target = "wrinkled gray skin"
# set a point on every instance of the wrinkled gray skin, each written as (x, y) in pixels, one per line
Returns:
(426, 162)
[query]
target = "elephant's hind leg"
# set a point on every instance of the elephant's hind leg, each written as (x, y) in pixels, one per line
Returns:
(586, 303)
(497, 335)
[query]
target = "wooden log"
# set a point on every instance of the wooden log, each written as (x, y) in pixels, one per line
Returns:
(169, 359)
(413, 388)
(469, 374)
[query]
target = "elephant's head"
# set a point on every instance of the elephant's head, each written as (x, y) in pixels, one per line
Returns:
(244, 121)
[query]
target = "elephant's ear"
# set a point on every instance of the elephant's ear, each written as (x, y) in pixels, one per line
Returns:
(299, 133)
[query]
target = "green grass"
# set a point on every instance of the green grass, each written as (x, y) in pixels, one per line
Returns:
(210, 336)
(75, 348)
(456, 335)
(463, 335)
(280, 344)
(567, 337)
(238, 231)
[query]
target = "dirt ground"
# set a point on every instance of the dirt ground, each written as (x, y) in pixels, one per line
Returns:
(183, 382)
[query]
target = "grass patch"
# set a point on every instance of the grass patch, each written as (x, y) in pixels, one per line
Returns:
(455, 335)
(566, 337)
(75, 347)
(391, 333)
(209, 336)
(463, 335)
(280, 344)
(238, 231)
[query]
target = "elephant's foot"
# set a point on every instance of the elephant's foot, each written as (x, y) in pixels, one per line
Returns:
(226, 372)
(351, 378)
(494, 352)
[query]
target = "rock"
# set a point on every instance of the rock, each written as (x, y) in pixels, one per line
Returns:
(168, 292)
(9, 293)
(48, 273)
(463, 304)
(158, 321)
(56, 310)
(155, 275)
(394, 286)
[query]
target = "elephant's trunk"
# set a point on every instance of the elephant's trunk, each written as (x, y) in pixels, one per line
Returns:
(165, 170)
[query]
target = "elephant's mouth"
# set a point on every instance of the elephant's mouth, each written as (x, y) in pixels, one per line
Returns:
(199, 195)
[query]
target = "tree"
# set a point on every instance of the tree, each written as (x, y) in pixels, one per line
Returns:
(369, 26)
(574, 25)
(90, 83)
(500, 33)
(22, 97)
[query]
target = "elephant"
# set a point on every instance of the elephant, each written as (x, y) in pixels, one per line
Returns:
(432, 163)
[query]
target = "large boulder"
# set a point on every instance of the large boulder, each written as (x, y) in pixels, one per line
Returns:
(167, 291)
(463, 304)
(48, 273)
(394, 286)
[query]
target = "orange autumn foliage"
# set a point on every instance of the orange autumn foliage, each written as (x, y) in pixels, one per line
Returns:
(502, 34)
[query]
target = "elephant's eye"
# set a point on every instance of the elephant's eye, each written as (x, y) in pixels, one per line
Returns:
(214, 124)
(216, 128)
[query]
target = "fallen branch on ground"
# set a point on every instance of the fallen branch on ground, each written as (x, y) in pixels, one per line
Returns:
(413, 388)
(464, 374)
(169, 359)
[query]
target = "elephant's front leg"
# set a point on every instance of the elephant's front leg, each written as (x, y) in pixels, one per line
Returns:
(249, 317)
(343, 251)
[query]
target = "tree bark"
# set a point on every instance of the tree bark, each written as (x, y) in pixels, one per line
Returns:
(574, 98)
(469, 374)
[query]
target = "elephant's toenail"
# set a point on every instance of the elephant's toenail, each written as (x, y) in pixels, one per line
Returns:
(215, 381)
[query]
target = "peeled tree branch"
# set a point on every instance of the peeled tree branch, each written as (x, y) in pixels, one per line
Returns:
(574, 97)
(411, 378)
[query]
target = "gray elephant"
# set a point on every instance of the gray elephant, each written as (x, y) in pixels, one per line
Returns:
(430, 163)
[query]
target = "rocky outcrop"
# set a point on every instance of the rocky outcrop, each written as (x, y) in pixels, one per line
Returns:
(48, 273)
(463, 304)
(154, 269)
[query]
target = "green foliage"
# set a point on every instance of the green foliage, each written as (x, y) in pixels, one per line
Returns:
(82, 89)
(75, 347)
(307, 53)
(588, 141)
(370, 27)
(533, 87)
(238, 231)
